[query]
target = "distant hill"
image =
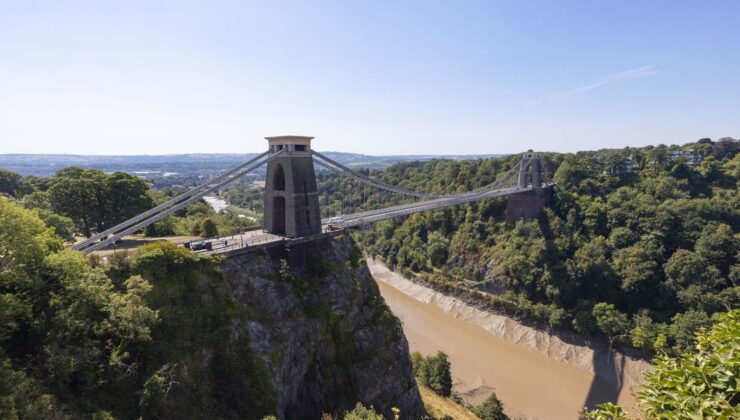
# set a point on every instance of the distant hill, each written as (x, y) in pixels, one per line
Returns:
(183, 167)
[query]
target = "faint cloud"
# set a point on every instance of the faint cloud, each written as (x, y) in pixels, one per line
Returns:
(637, 73)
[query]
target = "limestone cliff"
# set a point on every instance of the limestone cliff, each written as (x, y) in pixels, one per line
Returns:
(316, 319)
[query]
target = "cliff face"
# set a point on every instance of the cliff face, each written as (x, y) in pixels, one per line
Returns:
(315, 317)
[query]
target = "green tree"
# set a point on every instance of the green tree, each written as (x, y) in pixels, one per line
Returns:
(208, 228)
(360, 412)
(78, 194)
(63, 226)
(12, 184)
(699, 383)
(684, 327)
(571, 171)
(583, 321)
(433, 372)
(438, 248)
(718, 245)
(693, 280)
(702, 382)
(605, 411)
(154, 393)
(622, 237)
(22, 397)
(685, 268)
(491, 409)
(644, 334)
(638, 268)
(37, 200)
(610, 321)
(163, 227)
(95, 200)
(24, 244)
(83, 348)
(438, 371)
(418, 364)
(591, 270)
(196, 311)
(92, 328)
(125, 196)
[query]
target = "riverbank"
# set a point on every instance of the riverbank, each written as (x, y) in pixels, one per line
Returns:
(536, 374)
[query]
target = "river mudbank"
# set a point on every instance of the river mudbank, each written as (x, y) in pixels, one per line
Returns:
(536, 373)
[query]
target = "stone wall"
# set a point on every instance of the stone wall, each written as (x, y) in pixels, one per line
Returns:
(527, 205)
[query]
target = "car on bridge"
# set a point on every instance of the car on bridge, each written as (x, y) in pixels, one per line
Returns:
(198, 246)
(336, 221)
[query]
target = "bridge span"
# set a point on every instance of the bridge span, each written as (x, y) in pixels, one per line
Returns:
(292, 212)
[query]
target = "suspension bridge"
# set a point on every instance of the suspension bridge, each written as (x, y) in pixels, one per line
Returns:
(291, 199)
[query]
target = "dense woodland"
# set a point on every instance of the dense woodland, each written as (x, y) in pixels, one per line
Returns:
(86, 201)
(80, 339)
(645, 259)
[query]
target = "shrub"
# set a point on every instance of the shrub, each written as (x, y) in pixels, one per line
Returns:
(700, 383)
(360, 412)
(433, 372)
(208, 228)
(491, 409)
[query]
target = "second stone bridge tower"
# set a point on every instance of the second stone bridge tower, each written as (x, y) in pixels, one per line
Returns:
(291, 194)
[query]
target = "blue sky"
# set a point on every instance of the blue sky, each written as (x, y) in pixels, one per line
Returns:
(400, 77)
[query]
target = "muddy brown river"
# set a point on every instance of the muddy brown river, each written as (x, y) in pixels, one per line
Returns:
(530, 384)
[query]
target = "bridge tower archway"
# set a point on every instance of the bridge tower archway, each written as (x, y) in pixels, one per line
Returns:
(291, 194)
(278, 215)
(278, 181)
(530, 171)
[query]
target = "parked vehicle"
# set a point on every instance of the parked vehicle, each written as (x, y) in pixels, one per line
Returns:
(198, 246)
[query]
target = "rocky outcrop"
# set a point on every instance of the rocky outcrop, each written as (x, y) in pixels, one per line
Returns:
(316, 318)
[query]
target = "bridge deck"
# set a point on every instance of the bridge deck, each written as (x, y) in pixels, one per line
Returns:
(257, 238)
(260, 239)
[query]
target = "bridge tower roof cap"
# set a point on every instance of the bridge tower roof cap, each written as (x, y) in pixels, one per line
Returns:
(289, 140)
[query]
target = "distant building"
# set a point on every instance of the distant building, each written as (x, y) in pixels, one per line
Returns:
(622, 168)
(690, 157)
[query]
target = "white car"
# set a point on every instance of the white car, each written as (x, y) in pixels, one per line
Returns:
(336, 221)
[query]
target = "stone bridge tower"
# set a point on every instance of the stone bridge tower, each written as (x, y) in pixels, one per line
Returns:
(531, 170)
(291, 195)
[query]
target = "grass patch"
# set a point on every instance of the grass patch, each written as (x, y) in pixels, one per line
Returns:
(440, 407)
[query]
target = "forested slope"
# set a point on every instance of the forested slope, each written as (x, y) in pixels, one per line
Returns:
(142, 336)
(167, 333)
(644, 258)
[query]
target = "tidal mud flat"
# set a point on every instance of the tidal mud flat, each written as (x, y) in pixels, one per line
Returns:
(537, 374)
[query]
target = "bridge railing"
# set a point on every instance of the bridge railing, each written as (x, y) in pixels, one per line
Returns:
(137, 223)
(495, 188)
(167, 204)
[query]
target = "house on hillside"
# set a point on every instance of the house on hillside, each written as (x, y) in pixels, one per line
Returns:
(624, 167)
(690, 157)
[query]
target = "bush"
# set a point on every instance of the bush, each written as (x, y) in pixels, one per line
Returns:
(700, 383)
(360, 412)
(208, 228)
(609, 320)
(64, 227)
(433, 372)
(491, 409)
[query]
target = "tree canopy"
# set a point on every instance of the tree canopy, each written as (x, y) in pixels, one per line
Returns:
(625, 256)
(699, 383)
(122, 339)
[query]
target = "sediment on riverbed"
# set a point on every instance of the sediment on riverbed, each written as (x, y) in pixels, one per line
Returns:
(590, 355)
